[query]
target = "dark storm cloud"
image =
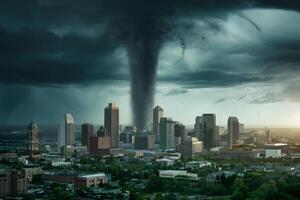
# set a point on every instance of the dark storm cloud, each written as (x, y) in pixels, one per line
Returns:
(28, 43)
(44, 42)
(40, 57)
(204, 79)
(176, 91)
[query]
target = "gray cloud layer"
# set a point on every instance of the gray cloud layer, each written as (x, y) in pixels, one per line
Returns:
(58, 43)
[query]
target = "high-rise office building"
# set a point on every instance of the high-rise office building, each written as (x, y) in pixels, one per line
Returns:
(87, 130)
(101, 132)
(198, 128)
(166, 133)
(189, 148)
(143, 142)
(12, 182)
(99, 145)
(233, 131)
(242, 128)
(268, 135)
(158, 112)
(69, 130)
(66, 134)
(179, 132)
(210, 137)
(127, 134)
(32, 139)
(111, 124)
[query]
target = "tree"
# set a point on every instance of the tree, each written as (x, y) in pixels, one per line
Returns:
(158, 196)
(132, 195)
(154, 183)
(170, 197)
(240, 190)
(27, 197)
(293, 189)
(222, 178)
(37, 179)
(266, 191)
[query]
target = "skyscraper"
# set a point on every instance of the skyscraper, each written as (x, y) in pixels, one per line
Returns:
(66, 134)
(69, 130)
(268, 135)
(198, 128)
(242, 128)
(143, 142)
(111, 123)
(101, 132)
(179, 131)
(158, 112)
(189, 148)
(233, 131)
(166, 133)
(32, 139)
(210, 137)
(87, 130)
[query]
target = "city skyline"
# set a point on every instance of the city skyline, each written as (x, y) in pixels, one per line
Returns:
(239, 59)
(191, 122)
(150, 99)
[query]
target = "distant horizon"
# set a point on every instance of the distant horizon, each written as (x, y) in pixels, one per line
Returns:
(189, 126)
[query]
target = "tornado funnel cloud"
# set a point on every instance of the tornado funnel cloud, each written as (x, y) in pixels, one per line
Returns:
(143, 52)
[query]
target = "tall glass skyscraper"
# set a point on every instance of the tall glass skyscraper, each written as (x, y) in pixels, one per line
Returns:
(210, 137)
(233, 131)
(111, 123)
(158, 112)
(66, 135)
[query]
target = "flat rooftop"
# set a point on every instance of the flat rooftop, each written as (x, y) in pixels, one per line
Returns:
(92, 175)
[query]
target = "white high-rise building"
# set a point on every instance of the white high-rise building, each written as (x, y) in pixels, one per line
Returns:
(66, 133)
(158, 113)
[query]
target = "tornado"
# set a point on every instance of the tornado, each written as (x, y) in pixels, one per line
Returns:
(143, 58)
(143, 48)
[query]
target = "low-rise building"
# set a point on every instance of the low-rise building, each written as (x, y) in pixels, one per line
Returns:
(8, 156)
(241, 153)
(59, 177)
(197, 164)
(276, 150)
(145, 153)
(78, 150)
(29, 172)
(176, 173)
(24, 160)
(273, 153)
(165, 161)
(100, 145)
(172, 155)
(12, 182)
(61, 164)
(91, 180)
(5, 183)
(218, 176)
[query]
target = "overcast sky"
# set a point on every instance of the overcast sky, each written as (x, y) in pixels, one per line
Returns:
(239, 59)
